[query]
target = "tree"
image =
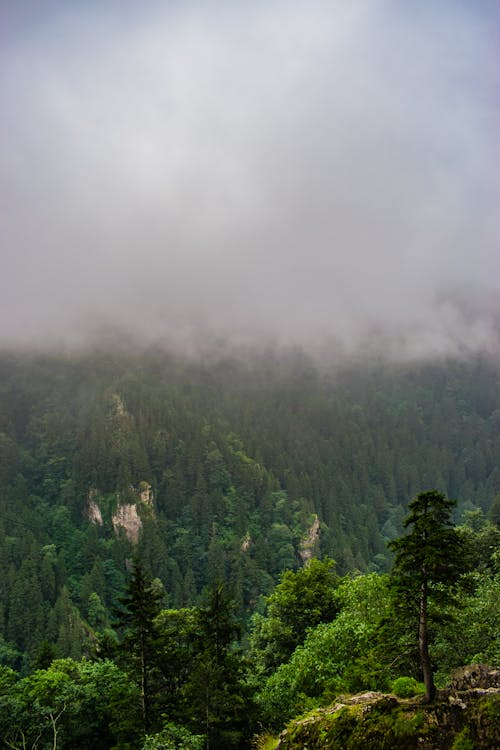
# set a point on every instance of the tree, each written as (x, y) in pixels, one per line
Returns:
(70, 704)
(179, 646)
(335, 656)
(494, 513)
(173, 737)
(138, 648)
(428, 561)
(219, 704)
(33, 710)
(301, 600)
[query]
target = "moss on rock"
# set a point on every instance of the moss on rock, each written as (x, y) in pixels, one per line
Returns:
(375, 721)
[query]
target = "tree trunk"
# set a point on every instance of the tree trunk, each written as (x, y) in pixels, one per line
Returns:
(423, 646)
(144, 686)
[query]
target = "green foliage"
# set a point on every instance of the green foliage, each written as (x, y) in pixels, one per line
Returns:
(407, 687)
(218, 703)
(265, 742)
(178, 648)
(322, 666)
(138, 648)
(9, 655)
(428, 561)
(173, 737)
(300, 601)
(383, 726)
(472, 635)
(463, 740)
(70, 704)
(305, 598)
(432, 553)
(7, 679)
(240, 455)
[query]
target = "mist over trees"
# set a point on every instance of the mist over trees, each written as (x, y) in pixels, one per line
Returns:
(240, 458)
(249, 315)
(308, 174)
(258, 497)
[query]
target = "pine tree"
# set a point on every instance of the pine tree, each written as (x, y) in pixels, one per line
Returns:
(138, 647)
(429, 560)
(214, 691)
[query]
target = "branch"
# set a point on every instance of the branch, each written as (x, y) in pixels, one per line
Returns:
(53, 721)
(11, 744)
(408, 651)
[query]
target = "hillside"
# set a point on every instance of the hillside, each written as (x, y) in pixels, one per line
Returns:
(195, 551)
(228, 470)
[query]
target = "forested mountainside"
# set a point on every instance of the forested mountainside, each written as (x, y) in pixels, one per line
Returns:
(194, 552)
(224, 470)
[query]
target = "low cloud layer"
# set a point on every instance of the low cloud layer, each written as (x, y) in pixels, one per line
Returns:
(300, 172)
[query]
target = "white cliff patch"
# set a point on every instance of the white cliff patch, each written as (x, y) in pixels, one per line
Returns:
(93, 511)
(127, 519)
(128, 515)
(246, 542)
(119, 406)
(310, 540)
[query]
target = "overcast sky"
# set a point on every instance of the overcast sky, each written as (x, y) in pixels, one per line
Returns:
(298, 171)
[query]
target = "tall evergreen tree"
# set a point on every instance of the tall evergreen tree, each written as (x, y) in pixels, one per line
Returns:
(429, 560)
(138, 648)
(214, 691)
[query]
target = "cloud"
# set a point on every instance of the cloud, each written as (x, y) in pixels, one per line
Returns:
(295, 171)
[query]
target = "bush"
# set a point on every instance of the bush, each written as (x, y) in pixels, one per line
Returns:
(265, 742)
(174, 737)
(407, 687)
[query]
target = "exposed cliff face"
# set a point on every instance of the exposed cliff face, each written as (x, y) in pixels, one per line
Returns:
(119, 406)
(93, 511)
(127, 517)
(464, 717)
(310, 541)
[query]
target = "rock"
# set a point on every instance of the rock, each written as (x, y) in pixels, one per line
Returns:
(127, 519)
(466, 715)
(475, 676)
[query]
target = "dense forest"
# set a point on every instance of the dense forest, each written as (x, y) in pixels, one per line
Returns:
(196, 550)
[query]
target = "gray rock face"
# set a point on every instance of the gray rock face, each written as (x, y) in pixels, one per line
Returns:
(475, 676)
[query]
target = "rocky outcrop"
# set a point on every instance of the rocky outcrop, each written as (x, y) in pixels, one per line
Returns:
(465, 716)
(93, 510)
(145, 493)
(94, 513)
(474, 676)
(128, 516)
(309, 542)
(127, 519)
(119, 406)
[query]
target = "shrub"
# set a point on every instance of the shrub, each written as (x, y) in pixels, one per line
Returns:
(407, 687)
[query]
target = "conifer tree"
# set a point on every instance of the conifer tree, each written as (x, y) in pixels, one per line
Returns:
(429, 560)
(215, 694)
(138, 648)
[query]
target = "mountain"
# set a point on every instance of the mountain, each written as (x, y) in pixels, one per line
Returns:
(218, 468)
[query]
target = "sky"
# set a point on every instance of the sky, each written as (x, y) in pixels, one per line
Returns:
(314, 173)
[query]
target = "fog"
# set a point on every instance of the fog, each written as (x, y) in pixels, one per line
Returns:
(314, 173)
